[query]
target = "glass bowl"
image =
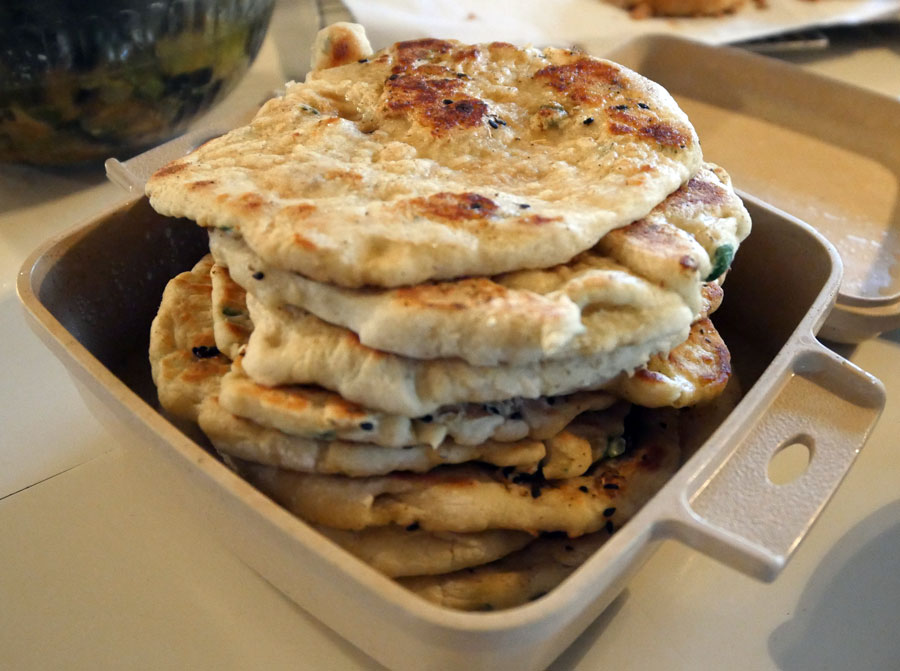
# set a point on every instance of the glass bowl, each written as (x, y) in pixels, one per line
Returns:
(83, 81)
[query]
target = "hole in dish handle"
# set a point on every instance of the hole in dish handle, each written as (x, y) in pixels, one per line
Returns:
(733, 511)
(790, 460)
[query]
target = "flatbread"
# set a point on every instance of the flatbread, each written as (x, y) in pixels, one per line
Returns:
(516, 579)
(341, 44)
(247, 440)
(435, 160)
(471, 498)
(586, 440)
(398, 551)
(566, 454)
(706, 208)
(314, 412)
(696, 371)
(185, 364)
(713, 295)
(524, 316)
(291, 346)
(581, 307)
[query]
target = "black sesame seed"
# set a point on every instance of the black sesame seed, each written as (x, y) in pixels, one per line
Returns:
(476, 206)
(610, 485)
(363, 60)
(413, 526)
(583, 488)
(393, 77)
(588, 121)
(204, 352)
(493, 124)
(447, 101)
(462, 75)
(620, 107)
(367, 426)
(500, 121)
(609, 512)
(258, 275)
(644, 106)
(524, 206)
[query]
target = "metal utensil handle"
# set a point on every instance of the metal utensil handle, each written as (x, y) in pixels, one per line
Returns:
(333, 11)
(735, 512)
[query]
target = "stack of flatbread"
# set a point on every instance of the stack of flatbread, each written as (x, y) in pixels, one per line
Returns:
(455, 297)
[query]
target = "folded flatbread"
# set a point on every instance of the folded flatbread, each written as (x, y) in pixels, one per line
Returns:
(185, 364)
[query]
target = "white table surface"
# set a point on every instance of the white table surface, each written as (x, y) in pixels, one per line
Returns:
(100, 570)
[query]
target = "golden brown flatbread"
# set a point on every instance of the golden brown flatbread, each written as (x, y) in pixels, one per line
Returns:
(514, 580)
(433, 159)
(185, 363)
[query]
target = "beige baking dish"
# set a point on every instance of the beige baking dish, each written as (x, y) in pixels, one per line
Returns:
(91, 294)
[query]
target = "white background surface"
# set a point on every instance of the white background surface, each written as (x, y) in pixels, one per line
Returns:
(594, 24)
(100, 570)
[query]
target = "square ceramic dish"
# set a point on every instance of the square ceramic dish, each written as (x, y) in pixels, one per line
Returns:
(821, 150)
(91, 294)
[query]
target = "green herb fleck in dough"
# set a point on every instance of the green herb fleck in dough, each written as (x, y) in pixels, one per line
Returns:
(721, 260)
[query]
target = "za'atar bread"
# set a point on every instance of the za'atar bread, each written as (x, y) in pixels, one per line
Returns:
(456, 300)
(433, 159)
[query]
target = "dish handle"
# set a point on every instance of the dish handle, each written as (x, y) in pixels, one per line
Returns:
(741, 510)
